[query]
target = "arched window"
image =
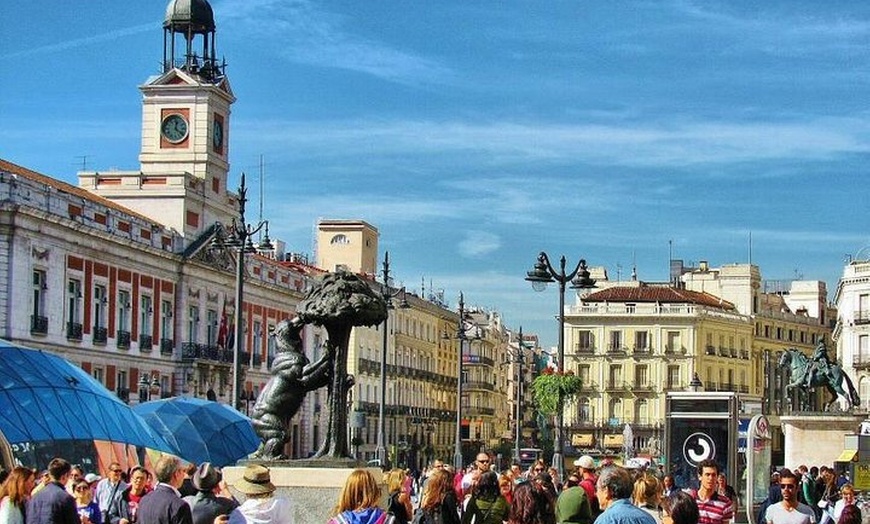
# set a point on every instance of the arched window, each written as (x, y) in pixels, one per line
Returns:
(642, 412)
(339, 239)
(584, 410)
(615, 408)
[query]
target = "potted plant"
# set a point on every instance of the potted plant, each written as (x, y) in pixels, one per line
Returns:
(551, 386)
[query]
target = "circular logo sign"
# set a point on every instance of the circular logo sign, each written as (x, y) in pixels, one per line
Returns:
(698, 447)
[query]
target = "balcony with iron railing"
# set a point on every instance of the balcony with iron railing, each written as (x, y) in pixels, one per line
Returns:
(615, 386)
(475, 359)
(861, 317)
(710, 350)
(122, 339)
(167, 345)
(191, 351)
(74, 331)
(101, 335)
(861, 360)
(38, 325)
(476, 385)
(674, 386)
(476, 411)
(615, 350)
(145, 343)
(642, 352)
(588, 386)
(643, 387)
(675, 350)
(584, 349)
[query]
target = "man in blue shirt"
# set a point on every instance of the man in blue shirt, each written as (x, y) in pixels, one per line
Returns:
(613, 491)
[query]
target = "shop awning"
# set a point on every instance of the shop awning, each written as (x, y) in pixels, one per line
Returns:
(613, 441)
(582, 440)
(847, 455)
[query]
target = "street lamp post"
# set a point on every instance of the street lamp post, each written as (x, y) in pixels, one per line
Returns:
(381, 449)
(146, 387)
(462, 337)
(542, 274)
(238, 236)
(519, 360)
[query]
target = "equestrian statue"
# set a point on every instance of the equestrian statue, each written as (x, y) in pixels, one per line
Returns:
(810, 373)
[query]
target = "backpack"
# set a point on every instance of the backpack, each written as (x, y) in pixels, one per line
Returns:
(593, 500)
(421, 516)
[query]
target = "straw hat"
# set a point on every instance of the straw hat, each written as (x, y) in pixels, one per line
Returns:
(206, 477)
(255, 481)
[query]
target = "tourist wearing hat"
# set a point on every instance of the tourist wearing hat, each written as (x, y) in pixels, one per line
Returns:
(211, 499)
(586, 468)
(260, 505)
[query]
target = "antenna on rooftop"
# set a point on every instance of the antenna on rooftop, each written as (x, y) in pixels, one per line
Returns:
(261, 193)
(84, 159)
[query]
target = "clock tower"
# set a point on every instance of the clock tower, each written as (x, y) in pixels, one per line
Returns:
(184, 157)
(186, 109)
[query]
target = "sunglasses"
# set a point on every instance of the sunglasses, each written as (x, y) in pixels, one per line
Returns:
(483, 462)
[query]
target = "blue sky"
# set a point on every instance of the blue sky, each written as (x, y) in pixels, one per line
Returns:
(476, 134)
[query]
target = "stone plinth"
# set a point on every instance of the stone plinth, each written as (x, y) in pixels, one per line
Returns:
(313, 491)
(816, 440)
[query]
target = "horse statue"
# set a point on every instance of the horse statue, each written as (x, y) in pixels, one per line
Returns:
(806, 376)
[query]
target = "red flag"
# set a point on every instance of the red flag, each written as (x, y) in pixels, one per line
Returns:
(222, 330)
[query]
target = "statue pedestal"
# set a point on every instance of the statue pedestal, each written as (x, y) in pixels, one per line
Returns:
(313, 491)
(816, 439)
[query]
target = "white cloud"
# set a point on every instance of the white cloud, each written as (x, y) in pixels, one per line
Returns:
(304, 33)
(478, 244)
(679, 142)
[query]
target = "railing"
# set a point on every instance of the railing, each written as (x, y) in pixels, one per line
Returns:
(476, 359)
(588, 387)
(145, 343)
(674, 386)
(616, 385)
(578, 348)
(258, 360)
(861, 317)
(476, 410)
(616, 350)
(710, 350)
(191, 351)
(38, 325)
(167, 345)
(73, 331)
(675, 350)
(479, 385)
(642, 352)
(123, 339)
(101, 335)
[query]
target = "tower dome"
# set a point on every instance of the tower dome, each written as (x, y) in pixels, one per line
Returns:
(189, 16)
(190, 20)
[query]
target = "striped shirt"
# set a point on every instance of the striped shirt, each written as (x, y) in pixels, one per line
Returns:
(715, 510)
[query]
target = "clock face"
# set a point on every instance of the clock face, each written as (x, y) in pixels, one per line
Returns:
(174, 128)
(217, 134)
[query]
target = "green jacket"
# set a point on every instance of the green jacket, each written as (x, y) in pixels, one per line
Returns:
(572, 507)
(484, 511)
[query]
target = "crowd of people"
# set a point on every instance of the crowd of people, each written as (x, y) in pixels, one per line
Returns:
(480, 494)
